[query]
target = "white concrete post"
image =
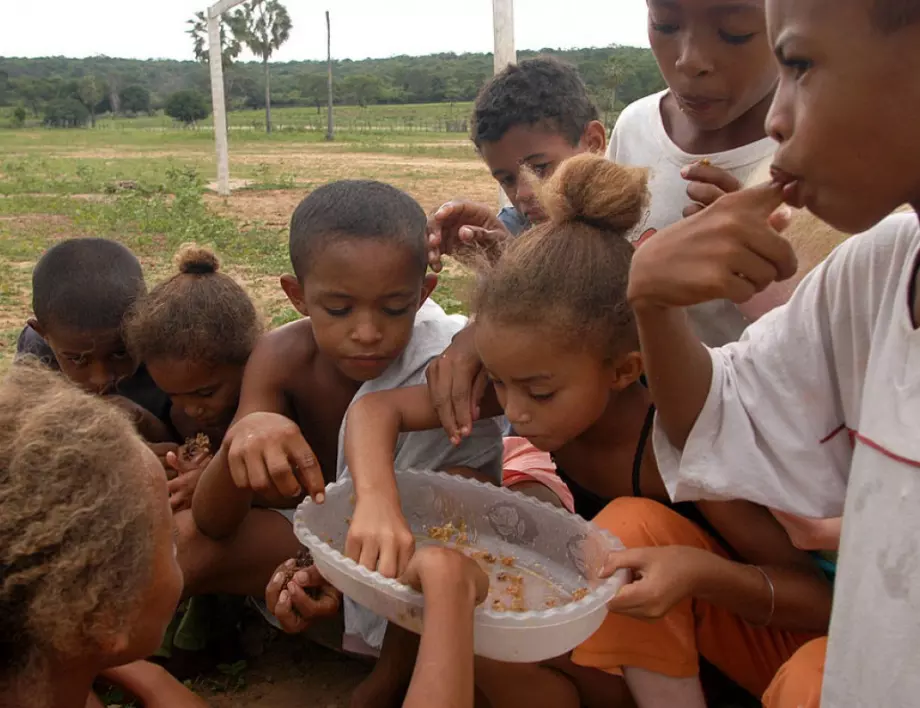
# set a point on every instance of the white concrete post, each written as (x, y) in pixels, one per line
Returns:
(503, 28)
(215, 60)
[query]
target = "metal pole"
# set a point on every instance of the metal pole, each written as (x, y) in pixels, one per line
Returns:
(330, 130)
(505, 54)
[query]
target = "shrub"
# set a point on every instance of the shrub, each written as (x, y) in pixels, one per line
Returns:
(189, 107)
(66, 113)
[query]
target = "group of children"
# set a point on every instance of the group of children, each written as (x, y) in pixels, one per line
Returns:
(603, 336)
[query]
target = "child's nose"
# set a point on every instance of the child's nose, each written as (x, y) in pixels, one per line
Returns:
(101, 378)
(691, 61)
(367, 333)
(516, 411)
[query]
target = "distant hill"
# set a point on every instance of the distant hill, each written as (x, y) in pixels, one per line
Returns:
(33, 83)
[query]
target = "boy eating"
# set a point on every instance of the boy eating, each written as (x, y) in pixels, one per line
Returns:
(358, 254)
(81, 290)
(814, 411)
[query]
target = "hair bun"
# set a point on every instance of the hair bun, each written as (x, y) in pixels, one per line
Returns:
(197, 260)
(592, 189)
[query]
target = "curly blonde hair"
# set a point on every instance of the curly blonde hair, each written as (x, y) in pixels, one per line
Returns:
(568, 275)
(76, 533)
(197, 314)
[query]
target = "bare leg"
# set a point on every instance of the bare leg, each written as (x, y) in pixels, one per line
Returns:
(386, 686)
(652, 690)
(524, 685)
(239, 565)
(597, 688)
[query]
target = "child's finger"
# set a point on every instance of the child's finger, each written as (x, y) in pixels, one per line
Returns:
(388, 565)
(703, 193)
(406, 551)
(631, 559)
(716, 176)
(273, 590)
(440, 390)
(307, 468)
(370, 552)
(692, 209)
(480, 384)
(763, 199)
(280, 472)
(629, 600)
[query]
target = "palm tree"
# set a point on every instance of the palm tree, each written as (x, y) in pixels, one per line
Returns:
(263, 26)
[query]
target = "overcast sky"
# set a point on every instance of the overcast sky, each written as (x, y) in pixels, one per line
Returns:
(360, 28)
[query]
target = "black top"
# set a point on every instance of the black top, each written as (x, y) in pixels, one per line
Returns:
(588, 504)
(138, 388)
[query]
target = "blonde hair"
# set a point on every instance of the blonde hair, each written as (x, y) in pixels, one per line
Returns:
(76, 527)
(568, 275)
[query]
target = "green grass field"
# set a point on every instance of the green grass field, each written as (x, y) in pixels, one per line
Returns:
(147, 186)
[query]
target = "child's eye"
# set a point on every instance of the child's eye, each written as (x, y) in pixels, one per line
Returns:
(506, 182)
(798, 66)
(736, 38)
(394, 312)
(664, 28)
(78, 361)
(206, 393)
(123, 354)
(541, 170)
(542, 396)
(337, 312)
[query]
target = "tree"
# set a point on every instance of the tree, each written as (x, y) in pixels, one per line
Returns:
(19, 116)
(615, 73)
(263, 26)
(230, 47)
(189, 107)
(313, 90)
(66, 113)
(135, 99)
(90, 92)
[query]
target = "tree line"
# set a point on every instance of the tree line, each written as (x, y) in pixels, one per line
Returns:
(614, 75)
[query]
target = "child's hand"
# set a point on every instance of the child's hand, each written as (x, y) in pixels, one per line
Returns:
(461, 223)
(456, 384)
(707, 184)
(661, 578)
(188, 472)
(161, 450)
(730, 250)
(435, 566)
(379, 537)
(297, 602)
(267, 454)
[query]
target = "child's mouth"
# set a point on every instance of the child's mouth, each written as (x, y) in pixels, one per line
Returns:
(793, 193)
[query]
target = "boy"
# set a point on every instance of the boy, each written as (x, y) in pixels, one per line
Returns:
(535, 115)
(81, 290)
(771, 418)
(358, 254)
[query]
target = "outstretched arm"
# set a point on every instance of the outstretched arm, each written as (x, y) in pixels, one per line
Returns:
(152, 686)
(453, 585)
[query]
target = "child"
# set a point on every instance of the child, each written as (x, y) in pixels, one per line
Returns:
(561, 355)
(704, 135)
(90, 578)
(530, 116)
(81, 290)
(194, 333)
(772, 417)
(358, 253)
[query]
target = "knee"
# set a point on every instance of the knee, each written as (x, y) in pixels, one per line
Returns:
(797, 684)
(639, 523)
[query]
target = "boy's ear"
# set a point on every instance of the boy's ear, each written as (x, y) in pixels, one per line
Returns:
(594, 139)
(428, 286)
(294, 292)
(624, 372)
(34, 324)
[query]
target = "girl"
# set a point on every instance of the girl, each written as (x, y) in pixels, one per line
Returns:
(561, 353)
(89, 576)
(194, 333)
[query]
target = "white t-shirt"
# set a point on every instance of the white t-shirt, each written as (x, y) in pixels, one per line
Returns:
(816, 411)
(639, 138)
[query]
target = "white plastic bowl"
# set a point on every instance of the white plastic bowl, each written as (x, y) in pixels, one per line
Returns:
(561, 547)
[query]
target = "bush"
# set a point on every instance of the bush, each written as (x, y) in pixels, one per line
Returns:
(188, 107)
(66, 113)
(19, 116)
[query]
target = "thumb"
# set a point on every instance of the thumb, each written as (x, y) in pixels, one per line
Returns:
(762, 199)
(476, 234)
(172, 459)
(631, 559)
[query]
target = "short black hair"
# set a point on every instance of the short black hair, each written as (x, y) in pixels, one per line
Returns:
(361, 209)
(892, 15)
(542, 91)
(86, 283)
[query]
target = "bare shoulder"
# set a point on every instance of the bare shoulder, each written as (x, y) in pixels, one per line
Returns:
(286, 350)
